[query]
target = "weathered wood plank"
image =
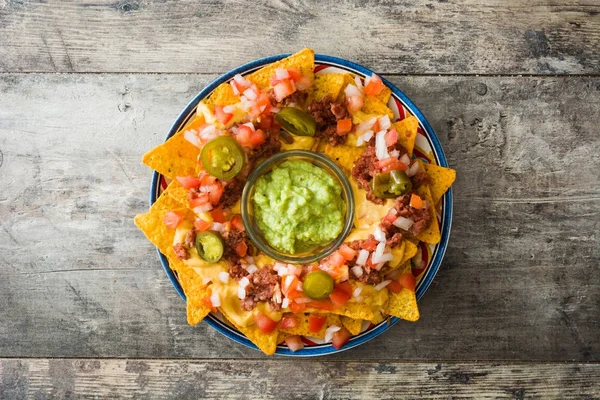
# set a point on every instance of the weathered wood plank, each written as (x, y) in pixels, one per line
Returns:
(239, 379)
(417, 37)
(521, 277)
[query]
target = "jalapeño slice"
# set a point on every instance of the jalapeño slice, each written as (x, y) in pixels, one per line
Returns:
(391, 184)
(296, 121)
(209, 246)
(318, 285)
(223, 157)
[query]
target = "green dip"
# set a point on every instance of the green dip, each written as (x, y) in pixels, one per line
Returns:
(298, 207)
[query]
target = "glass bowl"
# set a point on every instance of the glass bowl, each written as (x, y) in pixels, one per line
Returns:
(256, 236)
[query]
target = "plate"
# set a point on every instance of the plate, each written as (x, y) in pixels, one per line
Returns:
(427, 147)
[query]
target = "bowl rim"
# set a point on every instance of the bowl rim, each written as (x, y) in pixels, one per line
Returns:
(435, 263)
(279, 158)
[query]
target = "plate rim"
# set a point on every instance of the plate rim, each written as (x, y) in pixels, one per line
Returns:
(423, 286)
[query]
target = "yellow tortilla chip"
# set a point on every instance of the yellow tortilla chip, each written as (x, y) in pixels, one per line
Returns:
(342, 155)
(373, 106)
(404, 304)
(352, 310)
(267, 343)
(194, 291)
(303, 325)
(407, 133)
(304, 60)
(432, 234)
(177, 192)
(410, 250)
(379, 317)
(326, 85)
(398, 253)
(354, 326)
(385, 95)
(175, 157)
(441, 179)
(222, 96)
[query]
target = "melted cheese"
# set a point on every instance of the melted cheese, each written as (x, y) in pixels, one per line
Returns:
(300, 143)
(367, 214)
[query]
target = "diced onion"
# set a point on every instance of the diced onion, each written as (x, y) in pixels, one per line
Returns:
(217, 226)
(294, 270)
(384, 122)
(394, 153)
(244, 282)
(356, 293)
(241, 293)
(251, 268)
(206, 280)
(379, 266)
(330, 331)
(203, 208)
(378, 252)
(413, 169)
(363, 256)
(282, 271)
(352, 90)
(357, 271)
(382, 285)
(285, 303)
(301, 300)
(403, 223)
(223, 276)
(380, 146)
(215, 299)
(281, 73)
(192, 136)
(278, 265)
(250, 94)
(250, 125)
(384, 258)
(250, 259)
(358, 82)
(405, 159)
(277, 295)
(366, 126)
(379, 235)
(230, 109)
(364, 138)
(209, 130)
(275, 110)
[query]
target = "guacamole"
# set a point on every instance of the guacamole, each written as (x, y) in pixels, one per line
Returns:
(298, 207)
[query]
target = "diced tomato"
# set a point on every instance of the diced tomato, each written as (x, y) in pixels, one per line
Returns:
(344, 126)
(294, 343)
(339, 297)
(208, 303)
(344, 287)
(394, 287)
(354, 103)
(201, 225)
(390, 217)
(218, 215)
(339, 274)
(292, 293)
(297, 307)
(222, 116)
(336, 259)
(215, 195)
(315, 323)
(237, 223)
(408, 281)
(295, 73)
(249, 138)
(347, 252)
(289, 322)
(257, 138)
(390, 164)
(265, 122)
(173, 219)
(188, 182)
(369, 244)
(416, 201)
(263, 104)
(321, 305)
(340, 338)
(241, 249)
(391, 137)
(207, 179)
(198, 200)
(283, 89)
(264, 323)
(375, 86)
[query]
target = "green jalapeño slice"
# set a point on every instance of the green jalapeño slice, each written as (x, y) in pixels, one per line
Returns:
(209, 246)
(318, 285)
(223, 157)
(296, 121)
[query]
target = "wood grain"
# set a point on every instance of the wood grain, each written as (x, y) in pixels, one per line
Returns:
(520, 280)
(239, 379)
(416, 37)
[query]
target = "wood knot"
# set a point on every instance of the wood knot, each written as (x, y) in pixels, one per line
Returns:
(481, 89)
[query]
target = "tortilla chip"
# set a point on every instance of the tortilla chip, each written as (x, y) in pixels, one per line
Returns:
(194, 291)
(326, 85)
(407, 133)
(352, 310)
(354, 326)
(177, 192)
(342, 155)
(175, 157)
(304, 60)
(281, 337)
(441, 179)
(303, 325)
(378, 318)
(398, 253)
(222, 96)
(404, 304)
(385, 95)
(267, 343)
(432, 234)
(372, 105)
(410, 250)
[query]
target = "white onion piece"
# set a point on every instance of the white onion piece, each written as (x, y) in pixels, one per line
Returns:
(413, 169)
(281, 73)
(294, 270)
(378, 252)
(250, 125)
(403, 223)
(244, 282)
(365, 126)
(380, 147)
(251, 268)
(358, 82)
(299, 287)
(250, 259)
(384, 258)
(363, 256)
(352, 90)
(277, 297)
(241, 293)
(379, 266)
(282, 271)
(278, 265)
(364, 138)
(405, 160)
(357, 271)
(215, 299)
(209, 130)
(384, 122)
(379, 235)
(285, 303)
(206, 280)
(203, 208)
(192, 136)
(275, 110)
(394, 153)
(230, 109)
(288, 281)
(223, 276)
(356, 293)
(330, 331)
(217, 226)
(241, 80)
(250, 94)
(382, 285)
(301, 300)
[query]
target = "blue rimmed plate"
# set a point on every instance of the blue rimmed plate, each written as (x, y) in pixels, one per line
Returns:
(427, 147)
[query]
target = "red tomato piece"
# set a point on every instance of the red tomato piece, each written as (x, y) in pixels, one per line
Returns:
(347, 252)
(344, 126)
(172, 219)
(237, 223)
(394, 287)
(354, 103)
(289, 322)
(322, 305)
(215, 195)
(369, 244)
(243, 135)
(315, 323)
(294, 343)
(338, 274)
(408, 281)
(344, 287)
(188, 182)
(375, 86)
(199, 200)
(257, 138)
(218, 215)
(391, 137)
(390, 217)
(295, 74)
(336, 259)
(340, 338)
(416, 201)
(264, 323)
(338, 297)
(265, 122)
(208, 303)
(292, 292)
(297, 307)
(283, 89)
(241, 249)
(207, 179)
(201, 225)
(222, 116)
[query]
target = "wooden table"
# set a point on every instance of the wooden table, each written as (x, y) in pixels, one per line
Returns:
(511, 88)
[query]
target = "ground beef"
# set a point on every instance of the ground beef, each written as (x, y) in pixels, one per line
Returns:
(421, 217)
(395, 240)
(370, 276)
(297, 98)
(419, 178)
(181, 251)
(261, 289)
(236, 271)
(271, 146)
(364, 170)
(232, 239)
(190, 238)
(326, 113)
(339, 111)
(232, 193)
